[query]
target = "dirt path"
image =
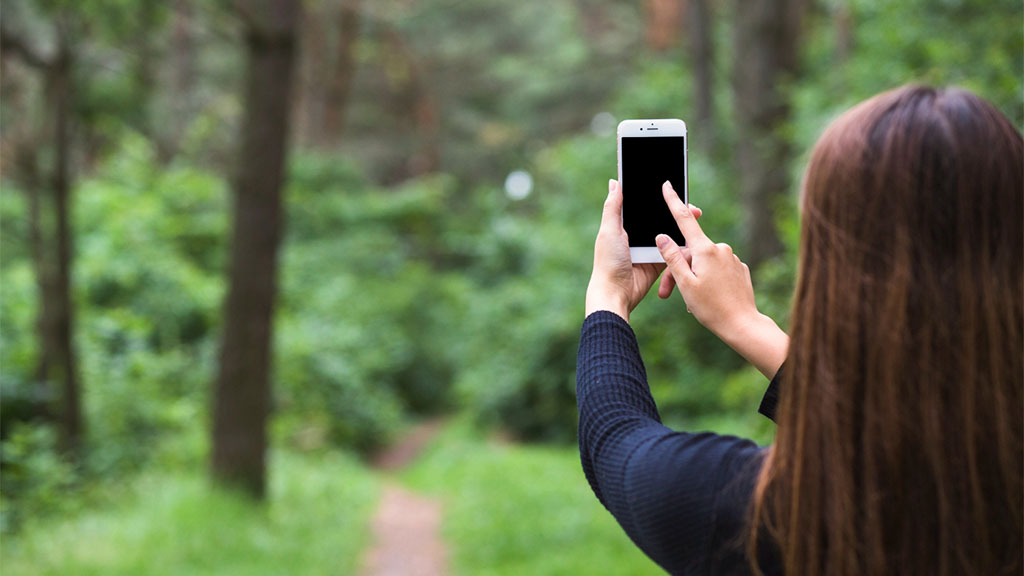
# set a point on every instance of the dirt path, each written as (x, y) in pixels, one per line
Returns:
(406, 527)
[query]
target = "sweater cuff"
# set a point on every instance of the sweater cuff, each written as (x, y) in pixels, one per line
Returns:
(604, 320)
(770, 401)
(607, 331)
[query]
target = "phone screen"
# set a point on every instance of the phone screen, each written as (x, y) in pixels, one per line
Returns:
(646, 164)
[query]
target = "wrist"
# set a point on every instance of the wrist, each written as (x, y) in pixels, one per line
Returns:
(736, 327)
(759, 340)
(598, 300)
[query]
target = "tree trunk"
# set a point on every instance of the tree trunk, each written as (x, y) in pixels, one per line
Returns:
(700, 25)
(766, 58)
(50, 238)
(416, 97)
(427, 158)
(663, 17)
(311, 101)
(594, 15)
(28, 173)
(63, 366)
(183, 74)
(340, 86)
(242, 393)
(144, 63)
(844, 32)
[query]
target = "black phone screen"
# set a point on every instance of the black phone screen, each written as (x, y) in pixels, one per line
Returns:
(646, 164)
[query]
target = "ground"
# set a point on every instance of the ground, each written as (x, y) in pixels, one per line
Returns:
(406, 527)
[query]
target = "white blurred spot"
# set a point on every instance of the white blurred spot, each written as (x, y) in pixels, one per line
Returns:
(602, 124)
(518, 184)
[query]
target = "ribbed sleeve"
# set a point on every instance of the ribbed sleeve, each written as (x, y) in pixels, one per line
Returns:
(682, 498)
(770, 401)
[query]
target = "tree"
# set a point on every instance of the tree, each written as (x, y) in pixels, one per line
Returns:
(663, 17)
(767, 37)
(414, 94)
(183, 76)
(344, 69)
(326, 75)
(311, 94)
(242, 391)
(51, 238)
(699, 24)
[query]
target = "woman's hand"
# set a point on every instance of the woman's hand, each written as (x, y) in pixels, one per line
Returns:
(616, 284)
(718, 291)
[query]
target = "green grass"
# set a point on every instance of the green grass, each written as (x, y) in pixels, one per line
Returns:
(509, 509)
(513, 510)
(174, 523)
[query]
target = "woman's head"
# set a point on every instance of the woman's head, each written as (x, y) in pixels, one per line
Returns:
(899, 446)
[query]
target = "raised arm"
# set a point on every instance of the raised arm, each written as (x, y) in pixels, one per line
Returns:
(680, 497)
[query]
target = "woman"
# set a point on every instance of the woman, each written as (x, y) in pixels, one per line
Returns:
(899, 447)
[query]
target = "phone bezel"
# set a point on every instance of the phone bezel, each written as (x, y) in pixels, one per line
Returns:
(652, 128)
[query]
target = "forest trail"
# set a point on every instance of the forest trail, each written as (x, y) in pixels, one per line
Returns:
(406, 526)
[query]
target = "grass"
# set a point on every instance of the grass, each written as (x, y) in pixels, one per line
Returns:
(509, 509)
(513, 510)
(173, 523)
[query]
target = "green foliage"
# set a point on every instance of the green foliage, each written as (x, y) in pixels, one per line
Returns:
(35, 479)
(522, 377)
(149, 289)
(546, 74)
(365, 318)
(976, 44)
(171, 521)
(435, 294)
(512, 510)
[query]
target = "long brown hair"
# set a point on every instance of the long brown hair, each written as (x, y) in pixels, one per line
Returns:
(899, 447)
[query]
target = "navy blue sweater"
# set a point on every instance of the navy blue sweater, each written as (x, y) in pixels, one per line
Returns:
(683, 498)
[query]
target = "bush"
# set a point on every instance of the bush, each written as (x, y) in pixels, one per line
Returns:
(366, 310)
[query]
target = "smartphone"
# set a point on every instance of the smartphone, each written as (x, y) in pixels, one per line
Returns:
(650, 152)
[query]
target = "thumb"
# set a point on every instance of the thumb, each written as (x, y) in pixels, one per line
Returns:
(611, 215)
(675, 260)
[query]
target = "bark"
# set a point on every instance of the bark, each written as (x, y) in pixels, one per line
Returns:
(340, 87)
(52, 249)
(242, 391)
(183, 76)
(144, 64)
(427, 158)
(844, 32)
(595, 19)
(700, 25)
(767, 37)
(29, 175)
(663, 18)
(311, 102)
(64, 367)
(416, 97)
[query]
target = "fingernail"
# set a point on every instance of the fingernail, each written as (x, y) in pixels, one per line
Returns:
(668, 185)
(611, 186)
(662, 241)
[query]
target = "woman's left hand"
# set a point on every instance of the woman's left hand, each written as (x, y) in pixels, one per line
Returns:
(616, 284)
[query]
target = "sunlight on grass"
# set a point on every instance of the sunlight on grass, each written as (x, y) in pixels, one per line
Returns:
(174, 523)
(513, 510)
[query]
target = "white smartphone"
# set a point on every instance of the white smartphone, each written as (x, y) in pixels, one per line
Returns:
(650, 152)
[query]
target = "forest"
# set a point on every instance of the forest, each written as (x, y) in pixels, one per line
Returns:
(272, 270)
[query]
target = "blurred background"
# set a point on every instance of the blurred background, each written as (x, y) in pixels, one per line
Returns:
(247, 248)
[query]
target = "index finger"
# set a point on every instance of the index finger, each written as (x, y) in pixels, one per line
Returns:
(692, 232)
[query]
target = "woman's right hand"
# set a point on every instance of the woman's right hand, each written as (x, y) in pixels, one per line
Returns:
(718, 291)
